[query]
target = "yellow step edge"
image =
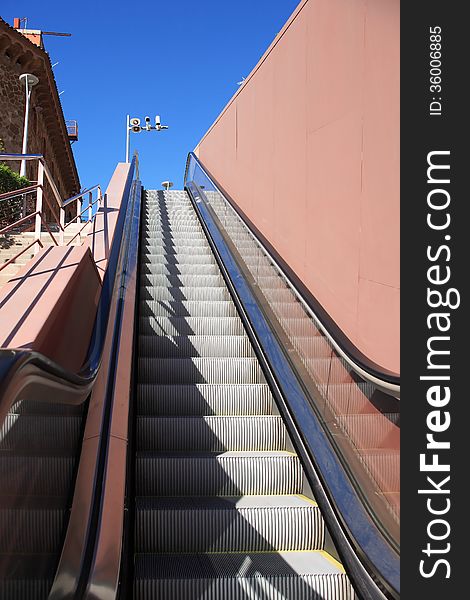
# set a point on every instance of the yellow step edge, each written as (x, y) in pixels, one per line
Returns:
(332, 560)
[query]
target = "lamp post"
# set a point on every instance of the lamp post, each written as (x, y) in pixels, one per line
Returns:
(28, 80)
(134, 125)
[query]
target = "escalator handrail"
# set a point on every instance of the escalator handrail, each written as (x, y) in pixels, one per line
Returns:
(20, 367)
(367, 369)
(74, 575)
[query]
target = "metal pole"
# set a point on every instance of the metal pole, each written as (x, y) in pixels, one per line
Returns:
(37, 227)
(127, 138)
(25, 130)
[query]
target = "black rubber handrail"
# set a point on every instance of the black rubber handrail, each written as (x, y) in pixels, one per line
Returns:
(356, 356)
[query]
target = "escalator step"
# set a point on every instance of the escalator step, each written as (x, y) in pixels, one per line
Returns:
(183, 280)
(194, 345)
(36, 407)
(230, 524)
(384, 466)
(372, 431)
(200, 370)
(179, 269)
(191, 326)
(187, 308)
(149, 248)
(211, 474)
(161, 242)
(40, 433)
(210, 433)
(204, 399)
(31, 529)
(36, 475)
(187, 293)
(176, 231)
(240, 576)
(180, 258)
(26, 576)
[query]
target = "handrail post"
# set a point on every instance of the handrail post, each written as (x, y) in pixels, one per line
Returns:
(39, 194)
(79, 208)
(90, 206)
(62, 223)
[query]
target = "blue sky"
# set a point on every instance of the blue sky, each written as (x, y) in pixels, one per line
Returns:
(179, 59)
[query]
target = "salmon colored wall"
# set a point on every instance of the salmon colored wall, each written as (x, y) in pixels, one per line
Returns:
(50, 305)
(309, 150)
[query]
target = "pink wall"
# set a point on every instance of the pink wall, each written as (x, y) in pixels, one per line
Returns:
(309, 150)
(50, 305)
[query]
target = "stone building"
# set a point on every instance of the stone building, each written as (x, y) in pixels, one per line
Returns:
(22, 51)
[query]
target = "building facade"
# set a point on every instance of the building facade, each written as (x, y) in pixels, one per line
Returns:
(22, 51)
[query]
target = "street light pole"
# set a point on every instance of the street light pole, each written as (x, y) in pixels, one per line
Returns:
(134, 126)
(128, 131)
(28, 80)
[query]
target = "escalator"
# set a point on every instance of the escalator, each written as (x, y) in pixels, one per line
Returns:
(222, 508)
(187, 460)
(39, 451)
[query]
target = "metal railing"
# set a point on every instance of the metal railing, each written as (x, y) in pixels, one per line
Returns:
(44, 175)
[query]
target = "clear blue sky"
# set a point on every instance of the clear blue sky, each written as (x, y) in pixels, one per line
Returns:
(179, 59)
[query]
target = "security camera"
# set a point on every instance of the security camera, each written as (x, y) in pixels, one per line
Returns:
(135, 121)
(157, 123)
(148, 127)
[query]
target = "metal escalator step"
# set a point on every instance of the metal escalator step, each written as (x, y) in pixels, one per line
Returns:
(194, 345)
(184, 210)
(372, 431)
(210, 433)
(177, 238)
(181, 258)
(36, 475)
(175, 217)
(40, 433)
(36, 407)
(384, 466)
(177, 230)
(359, 397)
(200, 370)
(204, 399)
(279, 295)
(187, 308)
(26, 576)
(299, 327)
(180, 241)
(175, 249)
(191, 326)
(187, 293)
(182, 280)
(179, 269)
(32, 524)
(173, 222)
(230, 524)
(212, 474)
(240, 576)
